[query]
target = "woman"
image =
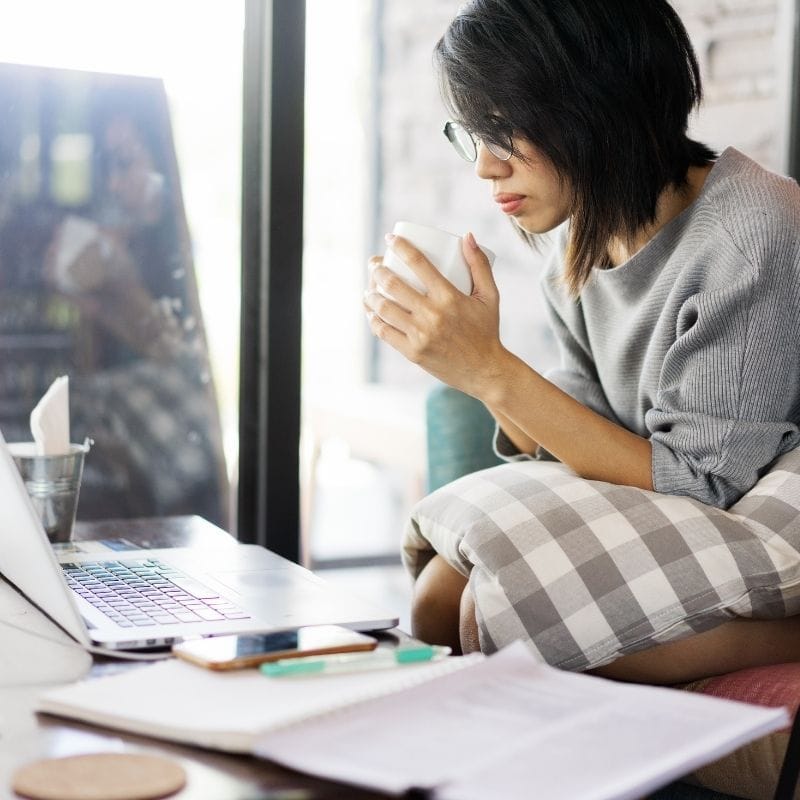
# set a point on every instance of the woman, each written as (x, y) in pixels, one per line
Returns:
(139, 375)
(672, 288)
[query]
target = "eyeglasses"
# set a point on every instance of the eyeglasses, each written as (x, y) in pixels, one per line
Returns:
(466, 143)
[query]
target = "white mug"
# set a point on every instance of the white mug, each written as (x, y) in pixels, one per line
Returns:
(441, 248)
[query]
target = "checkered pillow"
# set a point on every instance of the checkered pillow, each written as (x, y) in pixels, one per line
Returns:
(587, 571)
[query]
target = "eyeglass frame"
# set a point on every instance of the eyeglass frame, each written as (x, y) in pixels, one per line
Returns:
(500, 152)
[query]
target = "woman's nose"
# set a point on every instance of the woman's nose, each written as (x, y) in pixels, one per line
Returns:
(489, 166)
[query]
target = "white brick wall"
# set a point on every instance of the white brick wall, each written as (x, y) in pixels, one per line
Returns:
(739, 45)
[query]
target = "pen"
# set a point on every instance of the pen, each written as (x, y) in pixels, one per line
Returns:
(353, 662)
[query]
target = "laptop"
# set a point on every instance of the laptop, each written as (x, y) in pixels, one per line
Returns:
(142, 598)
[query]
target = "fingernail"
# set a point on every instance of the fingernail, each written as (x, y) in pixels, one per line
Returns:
(471, 241)
(390, 237)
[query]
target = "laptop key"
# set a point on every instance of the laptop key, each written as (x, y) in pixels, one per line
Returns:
(186, 616)
(182, 597)
(224, 606)
(149, 593)
(208, 614)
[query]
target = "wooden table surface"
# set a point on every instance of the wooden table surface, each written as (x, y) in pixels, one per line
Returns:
(26, 736)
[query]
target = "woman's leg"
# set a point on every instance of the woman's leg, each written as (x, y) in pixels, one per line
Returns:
(734, 645)
(436, 604)
(739, 644)
(443, 612)
(468, 624)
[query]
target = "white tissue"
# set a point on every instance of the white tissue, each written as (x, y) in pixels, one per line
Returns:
(50, 420)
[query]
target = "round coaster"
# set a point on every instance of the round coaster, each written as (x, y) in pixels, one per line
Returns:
(100, 776)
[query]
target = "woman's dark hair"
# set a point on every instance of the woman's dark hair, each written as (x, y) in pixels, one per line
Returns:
(602, 88)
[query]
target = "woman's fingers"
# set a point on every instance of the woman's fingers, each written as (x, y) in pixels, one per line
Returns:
(392, 285)
(385, 332)
(414, 260)
(481, 269)
(372, 265)
(388, 310)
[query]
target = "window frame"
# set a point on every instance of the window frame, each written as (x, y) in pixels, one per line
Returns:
(268, 502)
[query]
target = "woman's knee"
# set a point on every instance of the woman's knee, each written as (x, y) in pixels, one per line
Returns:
(435, 607)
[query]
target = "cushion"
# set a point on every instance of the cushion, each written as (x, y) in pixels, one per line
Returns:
(587, 571)
(459, 436)
(751, 771)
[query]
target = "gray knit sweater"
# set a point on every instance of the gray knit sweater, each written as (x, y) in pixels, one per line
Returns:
(694, 343)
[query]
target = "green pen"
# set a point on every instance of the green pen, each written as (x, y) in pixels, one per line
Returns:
(353, 662)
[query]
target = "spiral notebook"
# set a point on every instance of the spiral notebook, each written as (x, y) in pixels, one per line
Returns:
(462, 728)
(227, 711)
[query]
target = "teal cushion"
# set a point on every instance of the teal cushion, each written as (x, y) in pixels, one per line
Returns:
(459, 436)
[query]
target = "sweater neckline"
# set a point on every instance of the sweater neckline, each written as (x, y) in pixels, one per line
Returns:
(662, 239)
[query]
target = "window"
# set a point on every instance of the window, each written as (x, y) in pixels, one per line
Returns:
(374, 155)
(119, 242)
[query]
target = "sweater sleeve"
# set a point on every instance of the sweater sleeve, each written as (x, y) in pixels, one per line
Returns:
(506, 450)
(728, 389)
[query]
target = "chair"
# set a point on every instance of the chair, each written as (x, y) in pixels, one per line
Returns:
(459, 441)
(379, 424)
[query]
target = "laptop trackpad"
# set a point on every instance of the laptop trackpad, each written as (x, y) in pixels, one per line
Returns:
(260, 582)
(293, 597)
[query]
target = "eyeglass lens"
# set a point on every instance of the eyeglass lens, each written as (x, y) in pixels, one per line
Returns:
(466, 144)
(462, 141)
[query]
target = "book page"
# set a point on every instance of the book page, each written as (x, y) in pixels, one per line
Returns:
(511, 727)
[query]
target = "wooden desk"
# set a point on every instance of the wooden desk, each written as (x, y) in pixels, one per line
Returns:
(25, 736)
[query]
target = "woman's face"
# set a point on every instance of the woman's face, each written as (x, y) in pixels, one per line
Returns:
(133, 182)
(527, 189)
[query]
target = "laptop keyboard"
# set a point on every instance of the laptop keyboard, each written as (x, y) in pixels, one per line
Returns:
(147, 592)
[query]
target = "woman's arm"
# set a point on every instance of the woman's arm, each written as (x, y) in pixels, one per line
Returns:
(521, 441)
(592, 445)
(455, 337)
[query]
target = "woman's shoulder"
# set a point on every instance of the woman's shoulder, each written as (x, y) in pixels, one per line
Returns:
(754, 204)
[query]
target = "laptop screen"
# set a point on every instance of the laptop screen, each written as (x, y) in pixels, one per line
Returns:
(26, 558)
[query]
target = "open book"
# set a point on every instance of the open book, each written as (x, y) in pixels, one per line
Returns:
(474, 727)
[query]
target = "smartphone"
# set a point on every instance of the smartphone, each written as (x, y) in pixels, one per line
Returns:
(237, 652)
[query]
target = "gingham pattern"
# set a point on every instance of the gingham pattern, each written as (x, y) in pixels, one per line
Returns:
(587, 571)
(154, 427)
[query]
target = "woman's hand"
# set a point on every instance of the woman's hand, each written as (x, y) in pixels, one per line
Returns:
(453, 336)
(456, 338)
(83, 257)
(95, 270)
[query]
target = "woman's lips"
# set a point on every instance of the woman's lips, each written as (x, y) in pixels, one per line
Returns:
(509, 203)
